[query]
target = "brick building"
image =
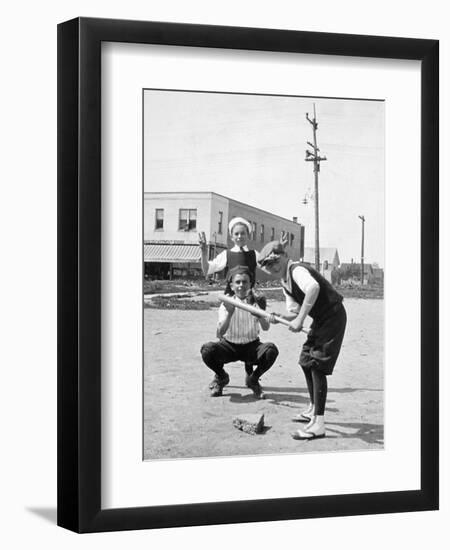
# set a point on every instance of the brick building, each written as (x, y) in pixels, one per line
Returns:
(172, 222)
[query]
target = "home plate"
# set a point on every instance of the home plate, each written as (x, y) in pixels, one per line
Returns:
(249, 423)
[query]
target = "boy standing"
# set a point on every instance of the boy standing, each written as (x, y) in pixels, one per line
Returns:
(238, 333)
(308, 293)
(240, 231)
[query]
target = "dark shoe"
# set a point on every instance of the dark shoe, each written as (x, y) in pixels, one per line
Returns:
(254, 385)
(224, 380)
(218, 383)
(216, 388)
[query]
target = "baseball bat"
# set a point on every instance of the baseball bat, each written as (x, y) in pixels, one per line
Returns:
(253, 310)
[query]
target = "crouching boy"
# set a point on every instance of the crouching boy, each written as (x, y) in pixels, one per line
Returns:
(308, 293)
(238, 333)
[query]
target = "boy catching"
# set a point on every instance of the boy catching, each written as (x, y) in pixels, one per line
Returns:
(308, 293)
(238, 333)
(239, 255)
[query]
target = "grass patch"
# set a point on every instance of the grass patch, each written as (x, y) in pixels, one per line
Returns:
(364, 293)
(170, 302)
(163, 287)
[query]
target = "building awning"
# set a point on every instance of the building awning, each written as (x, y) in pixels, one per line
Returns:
(171, 253)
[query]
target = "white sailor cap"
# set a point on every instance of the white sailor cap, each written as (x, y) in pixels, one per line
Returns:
(241, 221)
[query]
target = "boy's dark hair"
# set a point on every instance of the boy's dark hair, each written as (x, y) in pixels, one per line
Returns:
(237, 270)
(252, 299)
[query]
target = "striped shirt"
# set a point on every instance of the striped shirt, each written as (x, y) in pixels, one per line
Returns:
(243, 327)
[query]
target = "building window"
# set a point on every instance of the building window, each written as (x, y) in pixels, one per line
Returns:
(254, 231)
(272, 234)
(261, 232)
(292, 238)
(188, 219)
(219, 228)
(159, 218)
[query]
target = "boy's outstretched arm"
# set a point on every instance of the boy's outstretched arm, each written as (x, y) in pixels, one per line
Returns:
(204, 252)
(311, 295)
(286, 316)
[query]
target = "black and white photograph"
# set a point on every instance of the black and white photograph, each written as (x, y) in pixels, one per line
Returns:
(145, 144)
(263, 277)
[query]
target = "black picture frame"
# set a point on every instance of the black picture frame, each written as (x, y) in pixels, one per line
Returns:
(79, 274)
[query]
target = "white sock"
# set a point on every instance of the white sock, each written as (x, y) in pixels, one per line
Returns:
(310, 423)
(317, 424)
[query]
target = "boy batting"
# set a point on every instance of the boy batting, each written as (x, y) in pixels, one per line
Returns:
(308, 293)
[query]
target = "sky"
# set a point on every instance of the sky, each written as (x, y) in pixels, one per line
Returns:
(251, 148)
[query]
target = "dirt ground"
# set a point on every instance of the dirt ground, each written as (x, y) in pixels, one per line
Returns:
(181, 420)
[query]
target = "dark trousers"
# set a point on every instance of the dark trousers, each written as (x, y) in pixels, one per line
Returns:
(216, 354)
(322, 347)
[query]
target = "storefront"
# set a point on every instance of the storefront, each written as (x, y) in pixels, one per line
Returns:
(164, 261)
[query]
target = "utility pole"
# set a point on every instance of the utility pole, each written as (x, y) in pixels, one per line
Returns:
(363, 219)
(313, 156)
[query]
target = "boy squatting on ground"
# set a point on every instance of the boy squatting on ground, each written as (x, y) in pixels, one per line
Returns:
(240, 230)
(308, 293)
(238, 333)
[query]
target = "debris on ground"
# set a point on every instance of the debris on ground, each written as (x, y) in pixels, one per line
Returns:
(249, 423)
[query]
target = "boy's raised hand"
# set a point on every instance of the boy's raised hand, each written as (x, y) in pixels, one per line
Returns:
(229, 307)
(202, 240)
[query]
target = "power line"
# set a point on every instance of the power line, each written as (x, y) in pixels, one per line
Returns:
(363, 219)
(314, 156)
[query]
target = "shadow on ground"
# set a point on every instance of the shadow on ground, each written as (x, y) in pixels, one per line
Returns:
(285, 396)
(352, 390)
(369, 433)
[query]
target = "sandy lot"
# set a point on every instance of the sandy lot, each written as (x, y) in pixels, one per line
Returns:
(182, 420)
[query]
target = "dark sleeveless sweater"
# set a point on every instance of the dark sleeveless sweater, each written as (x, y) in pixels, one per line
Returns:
(243, 257)
(328, 297)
